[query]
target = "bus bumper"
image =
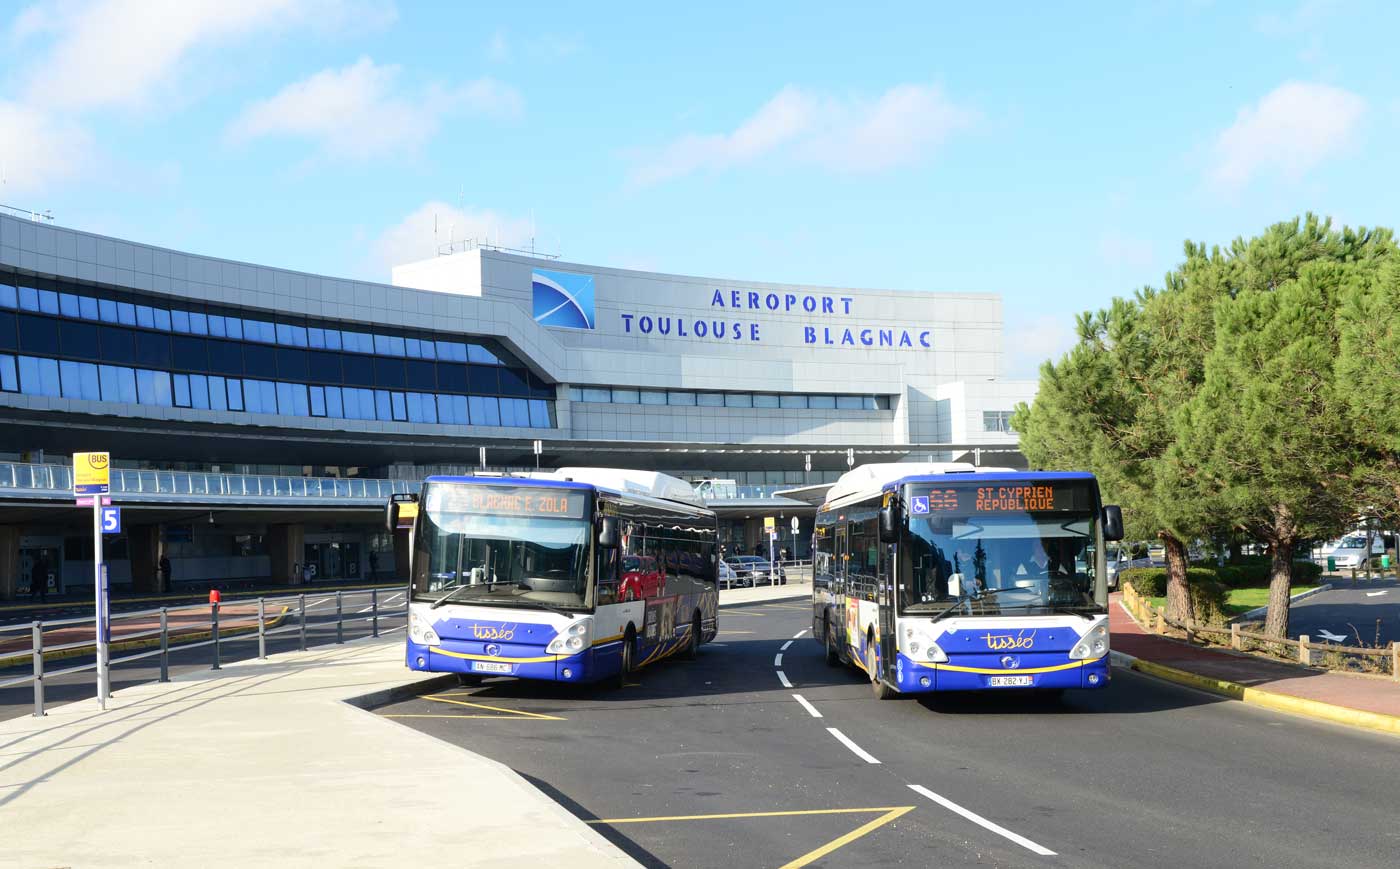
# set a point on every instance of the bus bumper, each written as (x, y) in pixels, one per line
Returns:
(975, 674)
(552, 668)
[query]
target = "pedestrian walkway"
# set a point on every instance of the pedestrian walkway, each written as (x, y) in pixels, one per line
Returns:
(1365, 701)
(265, 763)
(759, 593)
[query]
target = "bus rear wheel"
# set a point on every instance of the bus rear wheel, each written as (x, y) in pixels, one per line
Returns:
(692, 645)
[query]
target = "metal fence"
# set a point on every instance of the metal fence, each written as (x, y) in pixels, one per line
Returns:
(212, 633)
(49, 479)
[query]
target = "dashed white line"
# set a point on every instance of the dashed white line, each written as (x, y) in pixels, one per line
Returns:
(782, 677)
(799, 633)
(811, 710)
(855, 749)
(978, 819)
(785, 645)
(778, 660)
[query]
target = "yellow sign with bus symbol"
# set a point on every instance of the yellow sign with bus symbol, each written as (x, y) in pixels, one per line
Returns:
(91, 473)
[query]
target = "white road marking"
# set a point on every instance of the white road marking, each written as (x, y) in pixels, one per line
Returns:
(1374, 593)
(785, 645)
(717, 645)
(978, 819)
(811, 710)
(778, 660)
(1329, 636)
(799, 633)
(782, 677)
(318, 603)
(856, 749)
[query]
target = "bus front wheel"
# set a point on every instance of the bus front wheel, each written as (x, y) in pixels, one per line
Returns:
(882, 691)
(833, 655)
(629, 653)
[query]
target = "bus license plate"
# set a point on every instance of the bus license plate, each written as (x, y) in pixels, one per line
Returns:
(490, 667)
(1008, 681)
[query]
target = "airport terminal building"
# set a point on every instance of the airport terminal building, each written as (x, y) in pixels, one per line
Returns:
(258, 417)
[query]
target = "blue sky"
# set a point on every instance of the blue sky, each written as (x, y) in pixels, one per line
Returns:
(1058, 158)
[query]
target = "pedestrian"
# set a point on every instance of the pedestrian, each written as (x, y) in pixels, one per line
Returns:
(164, 568)
(39, 578)
(373, 564)
(296, 572)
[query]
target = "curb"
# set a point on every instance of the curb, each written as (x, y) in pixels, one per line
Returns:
(1315, 709)
(146, 643)
(1292, 599)
(405, 691)
(797, 596)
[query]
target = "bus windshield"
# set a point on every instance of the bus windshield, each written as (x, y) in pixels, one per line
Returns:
(503, 545)
(1001, 548)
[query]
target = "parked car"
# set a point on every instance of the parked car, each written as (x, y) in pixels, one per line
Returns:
(753, 570)
(1350, 551)
(727, 577)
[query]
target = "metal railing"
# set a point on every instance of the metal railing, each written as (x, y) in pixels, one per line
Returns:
(51, 479)
(209, 631)
(794, 571)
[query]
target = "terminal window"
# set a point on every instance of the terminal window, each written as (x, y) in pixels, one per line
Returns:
(997, 421)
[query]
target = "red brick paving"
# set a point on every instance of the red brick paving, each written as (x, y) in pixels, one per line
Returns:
(1371, 694)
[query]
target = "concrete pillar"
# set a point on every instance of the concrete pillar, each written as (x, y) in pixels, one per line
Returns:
(286, 547)
(401, 554)
(143, 548)
(9, 562)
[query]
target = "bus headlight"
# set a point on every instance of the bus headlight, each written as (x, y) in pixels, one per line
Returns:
(919, 646)
(1092, 645)
(419, 631)
(573, 639)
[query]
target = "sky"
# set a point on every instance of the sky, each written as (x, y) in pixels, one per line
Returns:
(1056, 155)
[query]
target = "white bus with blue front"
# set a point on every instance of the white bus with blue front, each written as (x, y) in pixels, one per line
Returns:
(524, 575)
(948, 577)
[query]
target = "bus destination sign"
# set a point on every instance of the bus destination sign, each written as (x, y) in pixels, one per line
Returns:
(523, 501)
(1002, 498)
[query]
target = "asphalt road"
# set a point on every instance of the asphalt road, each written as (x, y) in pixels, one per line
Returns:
(1143, 773)
(18, 700)
(1351, 612)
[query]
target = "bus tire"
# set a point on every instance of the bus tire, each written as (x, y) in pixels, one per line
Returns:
(692, 645)
(629, 657)
(833, 654)
(468, 680)
(882, 691)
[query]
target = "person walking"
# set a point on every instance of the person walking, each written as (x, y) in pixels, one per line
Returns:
(373, 564)
(163, 568)
(39, 578)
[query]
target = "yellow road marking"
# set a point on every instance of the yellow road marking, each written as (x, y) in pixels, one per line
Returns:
(612, 822)
(522, 713)
(427, 715)
(733, 613)
(850, 837)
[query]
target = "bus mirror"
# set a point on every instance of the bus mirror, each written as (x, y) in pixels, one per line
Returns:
(1112, 522)
(889, 522)
(607, 532)
(391, 516)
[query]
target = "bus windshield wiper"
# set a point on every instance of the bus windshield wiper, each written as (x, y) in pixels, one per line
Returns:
(968, 597)
(453, 592)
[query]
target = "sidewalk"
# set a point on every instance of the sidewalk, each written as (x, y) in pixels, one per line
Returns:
(760, 593)
(264, 763)
(1360, 701)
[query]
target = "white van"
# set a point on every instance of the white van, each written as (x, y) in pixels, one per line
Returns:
(1350, 551)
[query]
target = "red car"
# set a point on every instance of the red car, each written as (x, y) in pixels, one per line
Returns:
(640, 578)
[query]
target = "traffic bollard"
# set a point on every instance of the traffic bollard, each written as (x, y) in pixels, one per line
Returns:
(214, 631)
(38, 669)
(339, 621)
(374, 612)
(262, 631)
(301, 620)
(165, 645)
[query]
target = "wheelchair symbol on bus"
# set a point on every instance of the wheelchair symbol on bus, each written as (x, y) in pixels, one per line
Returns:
(919, 505)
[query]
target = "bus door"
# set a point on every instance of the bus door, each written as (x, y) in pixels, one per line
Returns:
(840, 571)
(885, 602)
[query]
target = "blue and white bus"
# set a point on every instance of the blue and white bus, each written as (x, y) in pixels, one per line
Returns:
(948, 577)
(574, 575)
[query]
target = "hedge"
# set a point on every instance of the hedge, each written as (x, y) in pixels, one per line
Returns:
(1207, 592)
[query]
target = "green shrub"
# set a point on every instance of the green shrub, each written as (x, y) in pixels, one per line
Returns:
(1254, 571)
(1207, 592)
(1146, 581)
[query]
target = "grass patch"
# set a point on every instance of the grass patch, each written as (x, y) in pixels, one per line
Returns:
(1242, 600)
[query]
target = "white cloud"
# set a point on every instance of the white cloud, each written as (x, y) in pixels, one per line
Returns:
(849, 134)
(413, 238)
(1032, 339)
(37, 149)
(360, 111)
(124, 52)
(1294, 128)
